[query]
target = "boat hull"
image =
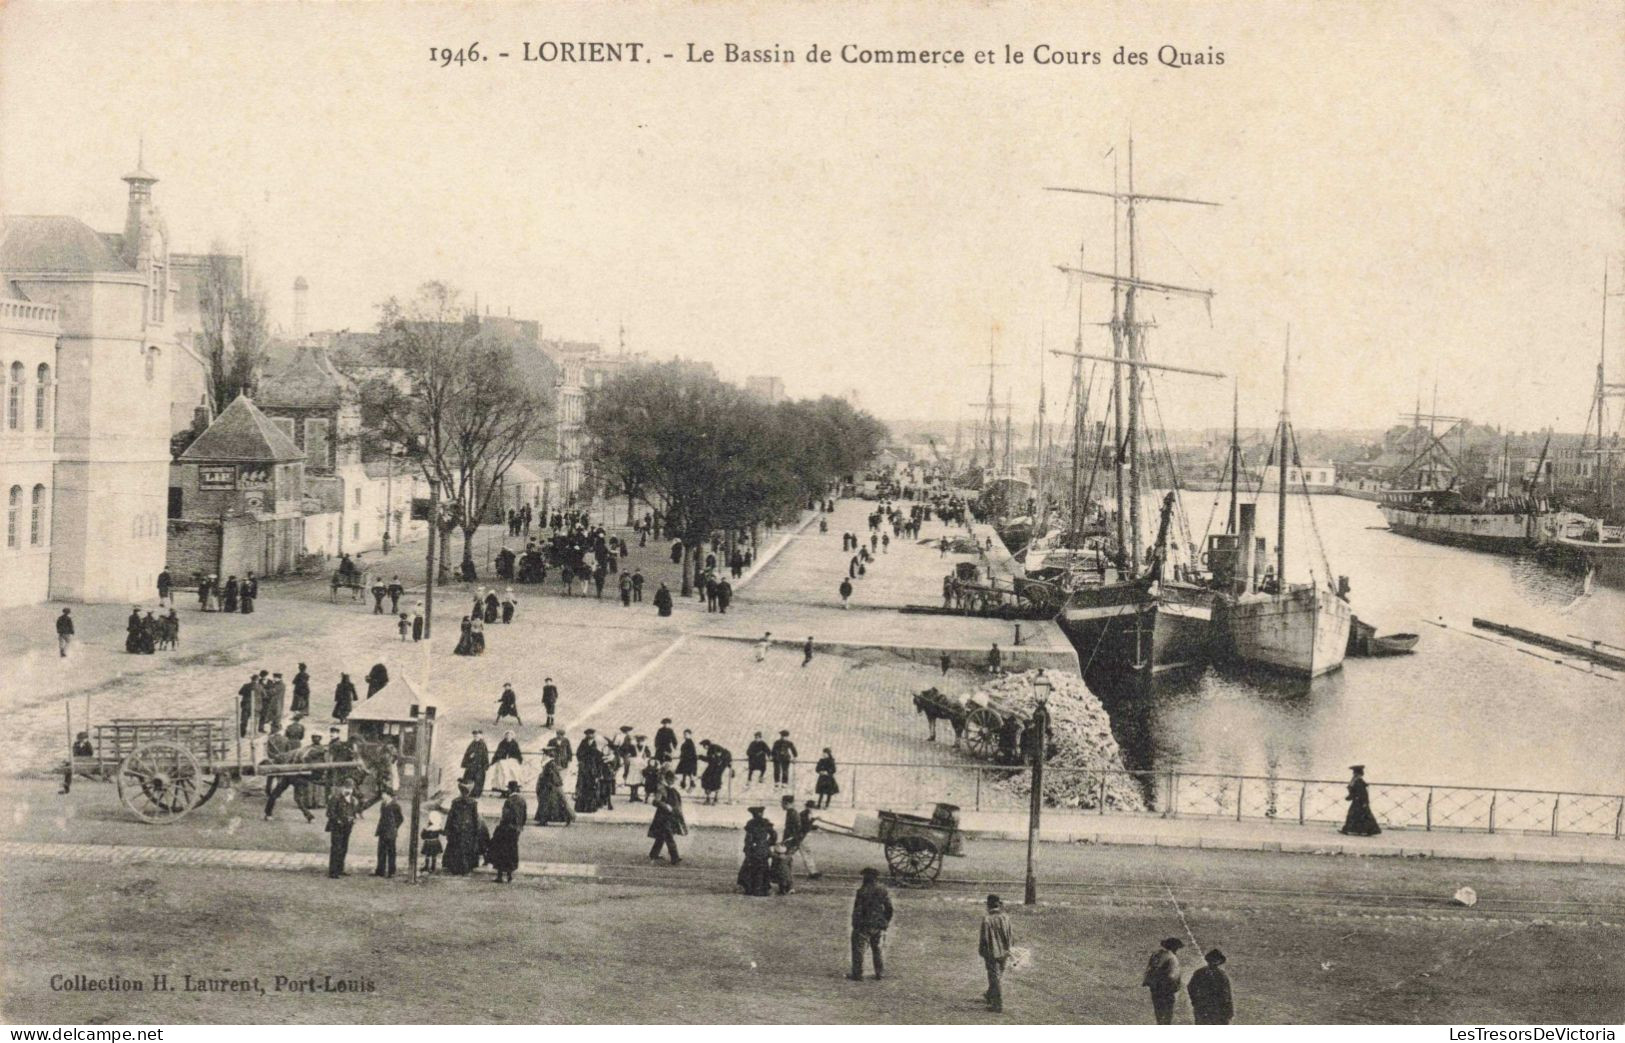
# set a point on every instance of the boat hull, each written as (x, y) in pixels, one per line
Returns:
(1126, 629)
(1606, 559)
(1304, 632)
(1496, 533)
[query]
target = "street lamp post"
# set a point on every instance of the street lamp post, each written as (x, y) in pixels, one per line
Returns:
(428, 575)
(1040, 740)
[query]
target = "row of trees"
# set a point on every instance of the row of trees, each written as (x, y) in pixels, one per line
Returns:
(714, 459)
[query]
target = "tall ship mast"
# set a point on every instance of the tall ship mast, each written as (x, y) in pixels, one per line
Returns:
(1137, 613)
(1297, 628)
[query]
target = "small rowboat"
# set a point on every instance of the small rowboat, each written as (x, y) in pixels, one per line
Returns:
(1364, 642)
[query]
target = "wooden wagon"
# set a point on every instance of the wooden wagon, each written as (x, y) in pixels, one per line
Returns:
(915, 845)
(167, 767)
(354, 582)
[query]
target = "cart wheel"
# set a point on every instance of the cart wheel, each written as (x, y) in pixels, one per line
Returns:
(161, 782)
(982, 732)
(207, 787)
(915, 861)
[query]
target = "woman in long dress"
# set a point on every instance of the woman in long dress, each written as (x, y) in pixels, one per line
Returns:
(717, 760)
(1360, 822)
(826, 787)
(228, 603)
(589, 766)
(504, 850)
(343, 697)
(493, 607)
(463, 829)
(688, 761)
(550, 803)
(505, 763)
(477, 633)
(756, 871)
(465, 639)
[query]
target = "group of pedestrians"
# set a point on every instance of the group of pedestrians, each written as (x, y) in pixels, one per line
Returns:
(213, 596)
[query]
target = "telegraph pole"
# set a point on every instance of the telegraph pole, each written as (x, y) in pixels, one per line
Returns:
(428, 575)
(1040, 732)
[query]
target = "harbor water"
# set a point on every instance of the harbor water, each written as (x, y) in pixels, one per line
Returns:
(1469, 708)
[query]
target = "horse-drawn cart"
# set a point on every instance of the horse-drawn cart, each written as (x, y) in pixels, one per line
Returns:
(354, 582)
(914, 844)
(167, 767)
(979, 726)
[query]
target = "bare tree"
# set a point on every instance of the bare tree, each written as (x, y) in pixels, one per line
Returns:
(455, 401)
(232, 340)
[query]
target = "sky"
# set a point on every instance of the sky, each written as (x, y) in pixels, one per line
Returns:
(1420, 192)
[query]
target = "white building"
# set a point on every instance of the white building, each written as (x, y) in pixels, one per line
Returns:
(1320, 478)
(88, 348)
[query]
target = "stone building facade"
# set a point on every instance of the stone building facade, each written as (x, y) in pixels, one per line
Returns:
(104, 395)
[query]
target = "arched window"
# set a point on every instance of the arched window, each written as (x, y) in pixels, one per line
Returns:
(36, 518)
(42, 396)
(14, 398)
(14, 507)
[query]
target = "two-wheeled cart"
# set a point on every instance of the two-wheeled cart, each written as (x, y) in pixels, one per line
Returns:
(915, 845)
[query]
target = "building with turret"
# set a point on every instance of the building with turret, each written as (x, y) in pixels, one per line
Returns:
(86, 349)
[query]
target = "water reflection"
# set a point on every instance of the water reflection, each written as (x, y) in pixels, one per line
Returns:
(1465, 709)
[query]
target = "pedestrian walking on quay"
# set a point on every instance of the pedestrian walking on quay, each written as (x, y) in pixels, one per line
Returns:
(826, 787)
(508, 705)
(476, 760)
(466, 841)
(389, 827)
(64, 633)
(688, 761)
(342, 810)
(550, 700)
(846, 593)
(404, 627)
(1360, 821)
(756, 754)
(510, 605)
(626, 590)
(807, 651)
(871, 918)
(807, 823)
(505, 763)
(718, 759)
(784, 753)
(665, 741)
(637, 584)
(1162, 978)
(504, 849)
(662, 600)
(344, 698)
(668, 823)
(551, 805)
(301, 691)
(994, 948)
(395, 590)
(761, 645)
(379, 592)
(756, 871)
(1209, 990)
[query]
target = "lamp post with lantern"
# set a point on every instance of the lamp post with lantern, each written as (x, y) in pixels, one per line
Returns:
(1039, 731)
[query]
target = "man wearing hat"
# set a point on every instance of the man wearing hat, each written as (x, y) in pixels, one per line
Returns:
(342, 810)
(1209, 990)
(784, 751)
(1162, 978)
(550, 700)
(756, 759)
(476, 759)
(668, 821)
(871, 916)
(994, 948)
(755, 872)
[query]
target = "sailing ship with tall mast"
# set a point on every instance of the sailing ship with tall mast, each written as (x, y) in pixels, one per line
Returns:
(1135, 616)
(1297, 628)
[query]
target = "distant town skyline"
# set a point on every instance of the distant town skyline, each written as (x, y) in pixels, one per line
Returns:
(1436, 209)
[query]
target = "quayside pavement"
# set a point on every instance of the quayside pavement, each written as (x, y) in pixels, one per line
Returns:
(620, 665)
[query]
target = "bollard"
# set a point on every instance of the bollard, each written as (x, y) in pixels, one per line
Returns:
(1018, 635)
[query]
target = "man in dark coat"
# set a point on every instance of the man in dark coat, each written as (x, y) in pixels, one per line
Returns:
(271, 709)
(1162, 978)
(665, 740)
(807, 651)
(389, 826)
(755, 872)
(994, 948)
(64, 632)
(504, 851)
(637, 585)
(1209, 990)
(476, 759)
(550, 700)
(132, 631)
(301, 691)
(342, 810)
(250, 593)
(668, 823)
(590, 769)
(784, 753)
(247, 704)
(688, 761)
(662, 600)
(756, 759)
(395, 591)
(871, 917)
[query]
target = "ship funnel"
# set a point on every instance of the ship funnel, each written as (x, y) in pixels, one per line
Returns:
(1246, 567)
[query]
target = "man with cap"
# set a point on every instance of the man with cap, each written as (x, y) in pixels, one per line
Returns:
(342, 810)
(668, 823)
(1209, 991)
(390, 820)
(1162, 978)
(756, 759)
(476, 760)
(550, 700)
(871, 916)
(807, 651)
(665, 740)
(994, 948)
(784, 752)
